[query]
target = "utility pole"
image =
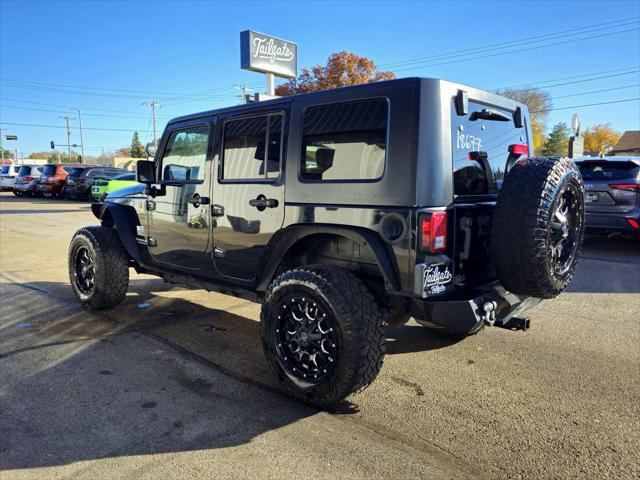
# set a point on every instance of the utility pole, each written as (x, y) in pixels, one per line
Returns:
(1, 147)
(153, 104)
(67, 118)
(81, 137)
(245, 91)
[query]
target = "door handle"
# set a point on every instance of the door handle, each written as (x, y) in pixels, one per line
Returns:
(197, 200)
(217, 211)
(261, 202)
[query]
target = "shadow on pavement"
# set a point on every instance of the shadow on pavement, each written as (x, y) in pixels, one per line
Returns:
(77, 387)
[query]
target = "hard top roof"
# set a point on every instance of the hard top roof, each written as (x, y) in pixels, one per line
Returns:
(328, 94)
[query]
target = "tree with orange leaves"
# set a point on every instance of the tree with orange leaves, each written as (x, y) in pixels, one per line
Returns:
(342, 69)
(600, 138)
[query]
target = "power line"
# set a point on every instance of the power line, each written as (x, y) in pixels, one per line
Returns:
(67, 107)
(597, 91)
(86, 128)
(588, 105)
(519, 50)
(525, 40)
(572, 77)
(579, 81)
(4, 105)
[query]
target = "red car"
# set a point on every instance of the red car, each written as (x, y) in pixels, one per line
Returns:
(52, 179)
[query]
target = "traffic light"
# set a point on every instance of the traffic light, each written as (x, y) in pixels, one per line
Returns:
(53, 145)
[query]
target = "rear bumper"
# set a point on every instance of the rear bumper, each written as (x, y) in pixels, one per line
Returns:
(49, 188)
(25, 187)
(467, 313)
(613, 221)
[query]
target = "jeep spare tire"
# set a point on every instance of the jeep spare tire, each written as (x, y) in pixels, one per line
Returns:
(538, 225)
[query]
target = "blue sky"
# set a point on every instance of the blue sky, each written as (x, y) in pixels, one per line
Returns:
(107, 58)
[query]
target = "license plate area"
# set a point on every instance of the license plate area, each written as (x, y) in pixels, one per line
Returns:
(591, 197)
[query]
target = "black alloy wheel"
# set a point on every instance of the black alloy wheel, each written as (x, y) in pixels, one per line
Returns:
(84, 270)
(306, 336)
(565, 227)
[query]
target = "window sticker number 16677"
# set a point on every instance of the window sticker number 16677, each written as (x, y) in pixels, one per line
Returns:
(468, 142)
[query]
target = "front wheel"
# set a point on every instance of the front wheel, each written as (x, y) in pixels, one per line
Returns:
(322, 333)
(98, 268)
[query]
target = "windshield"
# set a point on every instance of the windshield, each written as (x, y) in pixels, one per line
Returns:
(481, 141)
(125, 176)
(605, 170)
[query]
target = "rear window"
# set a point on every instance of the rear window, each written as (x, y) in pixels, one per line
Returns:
(49, 170)
(24, 171)
(125, 176)
(608, 170)
(344, 141)
(5, 170)
(76, 172)
(68, 169)
(491, 139)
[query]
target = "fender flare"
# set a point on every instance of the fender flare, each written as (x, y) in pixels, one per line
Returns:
(125, 220)
(284, 239)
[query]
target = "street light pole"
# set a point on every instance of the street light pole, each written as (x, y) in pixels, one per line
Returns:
(81, 137)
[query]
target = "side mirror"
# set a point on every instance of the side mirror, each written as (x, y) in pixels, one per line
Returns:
(146, 172)
(151, 149)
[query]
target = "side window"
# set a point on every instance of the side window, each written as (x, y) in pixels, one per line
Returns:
(185, 154)
(345, 141)
(95, 172)
(252, 148)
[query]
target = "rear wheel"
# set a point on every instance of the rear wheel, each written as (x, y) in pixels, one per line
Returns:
(17, 193)
(98, 268)
(322, 333)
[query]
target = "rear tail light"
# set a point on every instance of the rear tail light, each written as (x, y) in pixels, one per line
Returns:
(633, 223)
(519, 149)
(634, 187)
(433, 232)
(27, 179)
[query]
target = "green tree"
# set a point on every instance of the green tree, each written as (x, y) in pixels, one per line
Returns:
(342, 70)
(557, 143)
(137, 149)
(40, 155)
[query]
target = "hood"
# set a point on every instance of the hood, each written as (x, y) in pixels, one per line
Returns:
(129, 191)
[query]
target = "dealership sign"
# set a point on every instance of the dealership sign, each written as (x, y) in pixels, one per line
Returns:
(267, 54)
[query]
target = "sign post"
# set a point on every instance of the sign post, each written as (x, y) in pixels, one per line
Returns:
(270, 55)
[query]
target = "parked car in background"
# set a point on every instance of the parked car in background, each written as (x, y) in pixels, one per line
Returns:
(52, 181)
(8, 177)
(27, 180)
(101, 187)
(80, 180)
(612, 193)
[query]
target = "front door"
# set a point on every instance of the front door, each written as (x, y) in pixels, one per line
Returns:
(179, 221)
(249, 191)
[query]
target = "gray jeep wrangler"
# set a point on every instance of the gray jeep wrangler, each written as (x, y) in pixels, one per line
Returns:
(340, 211)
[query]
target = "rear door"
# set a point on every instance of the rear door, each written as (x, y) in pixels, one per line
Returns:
(611, 186)
(249, 190)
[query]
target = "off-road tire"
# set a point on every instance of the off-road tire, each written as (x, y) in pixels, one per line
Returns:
(359, 320)
(522, 226)
(111, 267)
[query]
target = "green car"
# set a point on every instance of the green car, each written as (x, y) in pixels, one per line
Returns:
(102, 187)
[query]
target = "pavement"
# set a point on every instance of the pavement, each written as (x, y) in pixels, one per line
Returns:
(173, 384)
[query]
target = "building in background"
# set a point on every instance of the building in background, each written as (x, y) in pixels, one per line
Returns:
(629, 144)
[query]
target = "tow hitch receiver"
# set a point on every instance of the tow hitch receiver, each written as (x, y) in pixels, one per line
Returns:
(515, 323)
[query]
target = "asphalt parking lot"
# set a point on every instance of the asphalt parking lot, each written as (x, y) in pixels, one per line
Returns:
(172, 383)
